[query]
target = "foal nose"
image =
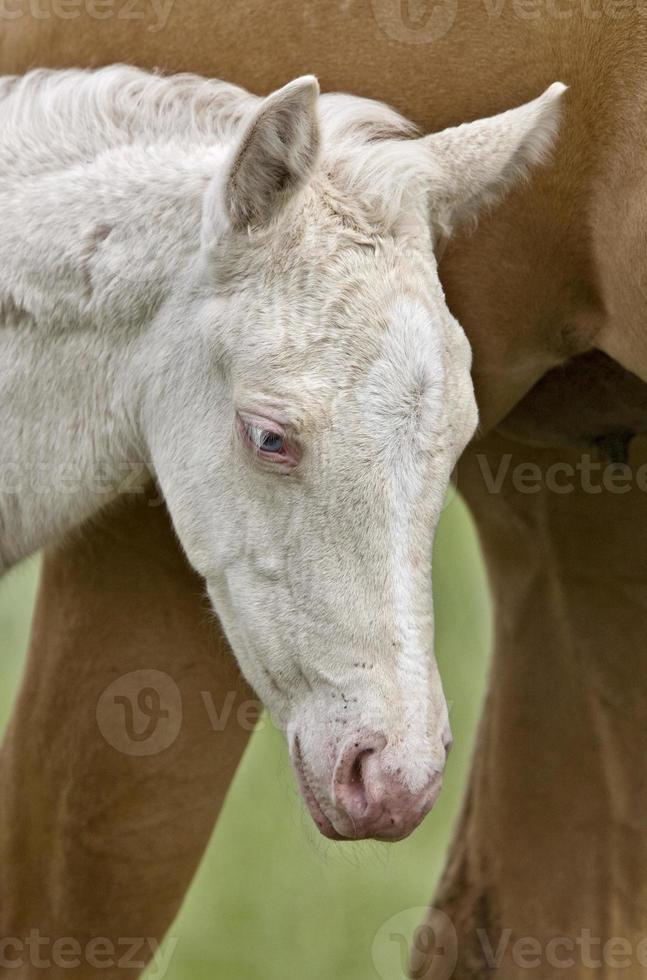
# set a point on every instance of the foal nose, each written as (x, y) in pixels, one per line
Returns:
(371, 800)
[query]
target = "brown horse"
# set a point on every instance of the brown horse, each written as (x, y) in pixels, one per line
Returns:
(547, 871)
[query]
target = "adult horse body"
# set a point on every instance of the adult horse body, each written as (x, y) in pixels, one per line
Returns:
(551, 840)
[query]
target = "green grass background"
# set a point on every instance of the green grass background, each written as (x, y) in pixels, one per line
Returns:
(273, 900)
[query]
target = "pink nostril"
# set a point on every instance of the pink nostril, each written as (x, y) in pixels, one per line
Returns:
(371, 798)
(350, 784)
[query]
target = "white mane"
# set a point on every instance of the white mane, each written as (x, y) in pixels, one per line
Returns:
(56, 118)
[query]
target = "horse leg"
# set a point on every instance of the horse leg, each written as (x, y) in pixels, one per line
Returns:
(548, 872)
(112, 771)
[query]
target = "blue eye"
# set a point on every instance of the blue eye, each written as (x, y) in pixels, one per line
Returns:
(265, 440)
(271, 442)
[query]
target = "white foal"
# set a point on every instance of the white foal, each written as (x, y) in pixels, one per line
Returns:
(240, 297)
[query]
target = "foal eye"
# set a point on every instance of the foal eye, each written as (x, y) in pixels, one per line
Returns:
(268, 441)
(265, 440)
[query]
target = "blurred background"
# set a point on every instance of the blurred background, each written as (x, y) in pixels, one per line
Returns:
(273, 899)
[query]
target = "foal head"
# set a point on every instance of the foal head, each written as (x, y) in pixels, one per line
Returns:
(314, 426)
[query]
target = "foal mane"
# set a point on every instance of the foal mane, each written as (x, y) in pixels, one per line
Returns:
(55, 118)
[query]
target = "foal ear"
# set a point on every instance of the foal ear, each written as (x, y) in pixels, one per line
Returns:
(475, 164)
(276, 155)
